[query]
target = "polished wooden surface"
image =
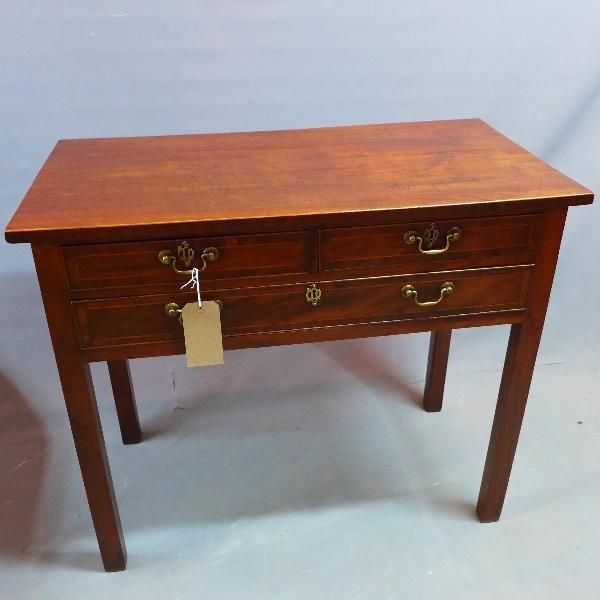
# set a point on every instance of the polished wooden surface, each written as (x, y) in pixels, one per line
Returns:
(142, 320)
(134, 188)
(311, 334)
(437, 364)
(78, 392)
(522, 350)
(285, 210)
(105, 266)
(120, 381)
(483, 242)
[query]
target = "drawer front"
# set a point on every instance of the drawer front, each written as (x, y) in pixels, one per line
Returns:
(135, 264)
(135, 320)
(481, 242)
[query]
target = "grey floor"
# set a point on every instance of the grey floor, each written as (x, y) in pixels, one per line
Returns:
(310, 472)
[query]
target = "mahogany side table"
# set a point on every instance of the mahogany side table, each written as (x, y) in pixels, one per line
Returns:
(304, 236)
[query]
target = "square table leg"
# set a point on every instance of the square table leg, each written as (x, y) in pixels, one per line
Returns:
(437, 363)
(512, 398)
(81, 406)
(522, 350)
(120, 380)
(82, 409)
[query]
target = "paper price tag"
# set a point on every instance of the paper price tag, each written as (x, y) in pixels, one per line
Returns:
(202, 332)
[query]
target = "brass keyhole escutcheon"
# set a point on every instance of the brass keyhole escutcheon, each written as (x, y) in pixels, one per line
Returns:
(430, 235)
(185, 253)
(313, 294)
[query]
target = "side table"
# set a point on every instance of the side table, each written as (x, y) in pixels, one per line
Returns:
(303, 236)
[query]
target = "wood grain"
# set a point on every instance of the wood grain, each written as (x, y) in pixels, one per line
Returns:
(313, 334)
(287, 208)
(135, 188)
(483, 242)
(82, 409)
(437, 364)
(141, 319)
(120, 381)
(522, 350)
(135, 264)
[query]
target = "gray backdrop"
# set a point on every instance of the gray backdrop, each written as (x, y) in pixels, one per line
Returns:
(85, 68)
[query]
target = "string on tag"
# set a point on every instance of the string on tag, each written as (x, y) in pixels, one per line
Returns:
(195, 283)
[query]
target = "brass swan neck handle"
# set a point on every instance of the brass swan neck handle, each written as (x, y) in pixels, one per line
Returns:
(410, 291)
(430, 235)
(186, 254)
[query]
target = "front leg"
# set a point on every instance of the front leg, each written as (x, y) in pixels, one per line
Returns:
(82, 409)
(518, 370)
(512, 398)
(81, 405)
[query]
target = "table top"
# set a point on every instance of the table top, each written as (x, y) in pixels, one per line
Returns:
(136, 184)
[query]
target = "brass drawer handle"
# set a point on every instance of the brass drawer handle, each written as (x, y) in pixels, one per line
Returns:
(172, 309)
(186, 253)
(430, 236)
(410, 291)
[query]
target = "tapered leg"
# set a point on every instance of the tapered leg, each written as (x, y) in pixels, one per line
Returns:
(81, 405)
(120, 379)
(89, 443)
(512, 398)
(437, 363)
(518, 371)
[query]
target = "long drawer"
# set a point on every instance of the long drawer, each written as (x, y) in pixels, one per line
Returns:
(142, 319)
(102, 266)
(459, 243)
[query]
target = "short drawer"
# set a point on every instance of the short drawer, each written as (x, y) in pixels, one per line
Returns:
(135, 320)
(457, 243)
(137, 264)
